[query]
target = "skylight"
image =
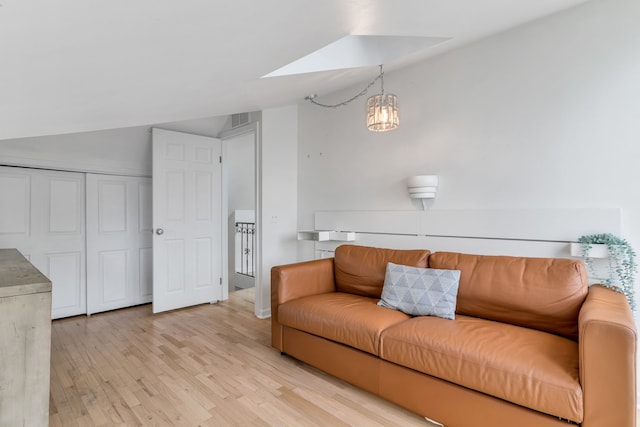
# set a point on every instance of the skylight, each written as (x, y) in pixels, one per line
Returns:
(357, 51)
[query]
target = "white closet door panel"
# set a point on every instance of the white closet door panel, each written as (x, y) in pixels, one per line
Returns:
(145, 209)
(58, 206)
(57, 217)
(113, 276)
(65, 208)
(145, 234)
(15, 193)
(118, 239)
(43, 217)
(145, 271)
(112, 201)
(64, 270)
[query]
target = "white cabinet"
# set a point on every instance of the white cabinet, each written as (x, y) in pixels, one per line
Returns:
(42, 214)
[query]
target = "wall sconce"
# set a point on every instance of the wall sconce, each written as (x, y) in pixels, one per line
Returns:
(423, 187)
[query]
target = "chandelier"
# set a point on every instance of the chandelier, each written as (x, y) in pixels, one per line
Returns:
(382, 109)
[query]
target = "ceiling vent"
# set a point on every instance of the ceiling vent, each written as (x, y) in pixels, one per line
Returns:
(239, 119)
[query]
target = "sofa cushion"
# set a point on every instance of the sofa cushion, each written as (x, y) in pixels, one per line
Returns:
(531, 368)
(539, 293)
(420, 291)
(360, 270)
(345, 318)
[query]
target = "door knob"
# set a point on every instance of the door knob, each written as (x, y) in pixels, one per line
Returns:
(159, 231)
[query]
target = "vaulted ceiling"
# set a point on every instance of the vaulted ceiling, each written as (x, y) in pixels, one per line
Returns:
(81, 65)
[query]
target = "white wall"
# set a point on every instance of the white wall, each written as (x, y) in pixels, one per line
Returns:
(542, 116)
(124, 151)
(240, 160)
(278, 208)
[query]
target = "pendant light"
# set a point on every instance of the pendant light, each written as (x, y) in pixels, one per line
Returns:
(382, 109)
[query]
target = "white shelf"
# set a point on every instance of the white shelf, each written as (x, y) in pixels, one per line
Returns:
(326, 235)
(596, 251)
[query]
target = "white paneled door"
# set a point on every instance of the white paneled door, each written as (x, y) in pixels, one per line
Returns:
(42, 214)
(119, 253)
(187, 197)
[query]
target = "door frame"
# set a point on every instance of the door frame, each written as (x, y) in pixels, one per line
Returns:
(253, 127)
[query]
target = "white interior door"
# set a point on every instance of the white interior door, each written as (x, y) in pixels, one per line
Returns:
(119, 254)
(42, 215)
(187, 223)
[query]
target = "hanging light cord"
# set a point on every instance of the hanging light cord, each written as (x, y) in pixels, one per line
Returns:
(311, 98)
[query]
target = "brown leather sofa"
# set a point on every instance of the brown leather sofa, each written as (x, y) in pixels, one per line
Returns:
(531, 344)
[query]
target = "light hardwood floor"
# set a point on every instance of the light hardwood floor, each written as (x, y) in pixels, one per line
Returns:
(210, 365)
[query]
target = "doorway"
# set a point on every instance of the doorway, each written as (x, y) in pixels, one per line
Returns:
(239, 207)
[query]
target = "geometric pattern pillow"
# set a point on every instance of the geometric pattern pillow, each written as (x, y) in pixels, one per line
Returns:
(420, 291)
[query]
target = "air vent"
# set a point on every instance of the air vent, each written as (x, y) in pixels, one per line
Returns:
(239, 119)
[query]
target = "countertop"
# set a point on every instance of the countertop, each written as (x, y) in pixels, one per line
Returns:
(18, 276)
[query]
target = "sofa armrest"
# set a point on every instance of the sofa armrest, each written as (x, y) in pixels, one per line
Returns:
(293, 281)
(607, 341)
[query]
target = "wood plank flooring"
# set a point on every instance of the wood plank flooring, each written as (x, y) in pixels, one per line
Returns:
(210, 365)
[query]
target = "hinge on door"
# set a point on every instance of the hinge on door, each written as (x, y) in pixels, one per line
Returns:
(221, 281)
(220, 159)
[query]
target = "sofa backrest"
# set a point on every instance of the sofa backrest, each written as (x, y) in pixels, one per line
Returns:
(539, 293)
(360, 270)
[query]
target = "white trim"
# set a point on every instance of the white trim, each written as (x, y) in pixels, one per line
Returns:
(105, 168)
(263, 314)
(224, 273)
(259, 309)
(518, 232)
(537, 224)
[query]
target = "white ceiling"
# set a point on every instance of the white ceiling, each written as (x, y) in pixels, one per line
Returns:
(82, 65)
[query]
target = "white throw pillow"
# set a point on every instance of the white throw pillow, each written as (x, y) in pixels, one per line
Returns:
(420, 291)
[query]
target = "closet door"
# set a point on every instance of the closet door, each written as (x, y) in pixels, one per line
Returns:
(119, 254)
(43, 216)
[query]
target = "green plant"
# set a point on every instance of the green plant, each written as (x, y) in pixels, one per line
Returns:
(622, 263)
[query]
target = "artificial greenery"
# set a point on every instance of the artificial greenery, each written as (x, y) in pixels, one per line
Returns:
(622, 263)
